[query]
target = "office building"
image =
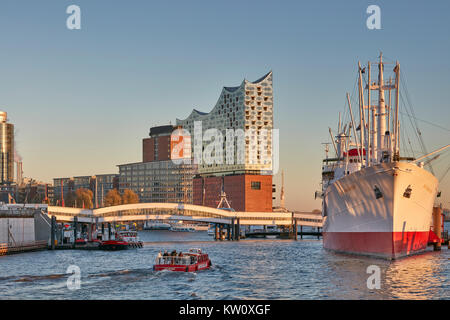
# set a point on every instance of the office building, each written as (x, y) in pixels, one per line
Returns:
(157, 178)
(6, 150)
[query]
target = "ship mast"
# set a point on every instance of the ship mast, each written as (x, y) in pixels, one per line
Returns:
(396, 155)
(381, 146)
(369, 133)
(381, 110)
(378, 139)
(282, 203)
(362, 118)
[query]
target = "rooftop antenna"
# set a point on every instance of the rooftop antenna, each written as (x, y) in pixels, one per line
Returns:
(327, 149)
(282, 190)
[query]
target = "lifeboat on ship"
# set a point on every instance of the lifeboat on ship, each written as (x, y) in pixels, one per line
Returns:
(193, 260)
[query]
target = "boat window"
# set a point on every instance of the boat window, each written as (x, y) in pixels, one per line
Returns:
(378, 193)
(407, 193)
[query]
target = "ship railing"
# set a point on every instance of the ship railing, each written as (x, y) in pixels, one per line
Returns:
(184, 260)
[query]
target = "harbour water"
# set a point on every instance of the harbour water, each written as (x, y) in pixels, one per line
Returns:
(248, 269)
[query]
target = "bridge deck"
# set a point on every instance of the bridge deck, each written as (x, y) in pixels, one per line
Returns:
(177, 211)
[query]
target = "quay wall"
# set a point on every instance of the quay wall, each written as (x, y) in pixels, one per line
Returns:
(23, 229)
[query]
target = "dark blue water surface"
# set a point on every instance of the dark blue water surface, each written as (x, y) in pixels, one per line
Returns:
(248, 269)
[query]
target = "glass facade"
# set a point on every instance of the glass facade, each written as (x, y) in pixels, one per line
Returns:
(158, 181)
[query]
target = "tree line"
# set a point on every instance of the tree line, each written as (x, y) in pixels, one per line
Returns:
(83, 198)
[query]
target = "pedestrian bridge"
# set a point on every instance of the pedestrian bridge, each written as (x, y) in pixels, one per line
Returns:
(179, 211)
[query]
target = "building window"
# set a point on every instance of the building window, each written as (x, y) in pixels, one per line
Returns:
(256, 185)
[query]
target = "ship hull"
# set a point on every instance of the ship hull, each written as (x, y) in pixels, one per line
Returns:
(382, 211)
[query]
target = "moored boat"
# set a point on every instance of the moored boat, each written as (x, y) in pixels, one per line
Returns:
(131, 237)
(113, 245)
(156, 225)
(375, 202)
(189, 227)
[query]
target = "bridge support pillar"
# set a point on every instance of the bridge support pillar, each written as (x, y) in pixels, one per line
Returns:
(295, 229)
(233, 230)
(301, 232)
(75, 227)
(221, 232)
(238, 230)
(228, 232)
(109, 230)
(89, 229)
(52, 233)
(95, 227)
(103, 231)
(216, 232)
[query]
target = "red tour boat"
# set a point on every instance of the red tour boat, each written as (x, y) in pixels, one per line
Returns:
(192, 261)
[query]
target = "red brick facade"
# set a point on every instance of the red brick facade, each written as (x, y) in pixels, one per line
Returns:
(148, 148)
(241, 193)
(163, 148)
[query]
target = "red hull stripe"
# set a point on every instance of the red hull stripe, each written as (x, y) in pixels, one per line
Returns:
(383, 244)
(185, 268)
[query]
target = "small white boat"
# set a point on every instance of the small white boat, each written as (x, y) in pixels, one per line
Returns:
(156, 225)
(182, 228)
(188, 227)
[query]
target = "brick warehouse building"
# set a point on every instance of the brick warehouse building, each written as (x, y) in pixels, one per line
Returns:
(247, 183)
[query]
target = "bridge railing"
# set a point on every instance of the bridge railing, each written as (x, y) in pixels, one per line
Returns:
(143, 211)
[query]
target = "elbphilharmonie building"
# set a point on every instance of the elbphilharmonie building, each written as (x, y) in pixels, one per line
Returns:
(244, 116)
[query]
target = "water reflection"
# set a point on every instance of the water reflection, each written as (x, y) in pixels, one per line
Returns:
(249, 269)
(416, 277)
(422, 276)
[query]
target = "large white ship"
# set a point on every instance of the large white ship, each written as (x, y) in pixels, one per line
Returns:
(375, 202)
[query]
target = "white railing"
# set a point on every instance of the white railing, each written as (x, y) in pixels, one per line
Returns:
(176, 260)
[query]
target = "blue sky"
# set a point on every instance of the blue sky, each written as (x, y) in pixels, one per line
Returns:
(82, 100)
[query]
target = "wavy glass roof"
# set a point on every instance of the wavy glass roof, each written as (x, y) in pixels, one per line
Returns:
(228, 89)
